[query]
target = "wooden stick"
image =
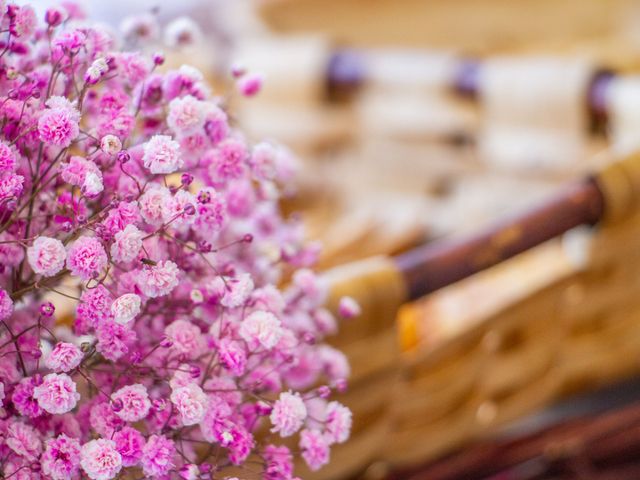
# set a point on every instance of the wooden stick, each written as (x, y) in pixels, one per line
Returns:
(441, 263)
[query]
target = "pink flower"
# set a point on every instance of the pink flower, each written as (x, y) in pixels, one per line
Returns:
(81, 172)
(127, 244)
(232, 357)
(61, 458)
(100, 460)
(94, 73)
(162, 155)
(186, 115)
(94, 309)
(288, 414)
(64, 357)
(6, 305)
(238, 291)
(175, 210)
(57, 393)
(11, 186)
(159, 280)
(135, 402)
(129, 443)
(133, 66)
(157, 456)
(125, 214)
(58, 126)
(110, 144)
(46, 256)
(315, 449)
(182, 31)
(333, 362)
(7, 159)
(23, 440)
(227, 160)
(250, 85)
(152, 204)
(263, 161)
(348, 308)
(23, 21)
(261, 328)
(338, 422)
(125, 308)
(23, 401)
(114, 339)
(186, 337)
(191, 402)
(104, 420)
(278, 463)
(86, 257)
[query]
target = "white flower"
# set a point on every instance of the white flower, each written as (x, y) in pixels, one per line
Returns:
(126, 308)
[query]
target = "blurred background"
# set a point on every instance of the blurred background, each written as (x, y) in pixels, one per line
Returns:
(421, 121)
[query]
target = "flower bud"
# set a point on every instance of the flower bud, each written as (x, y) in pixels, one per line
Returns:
(324, 391)
(158, 58)
(186, 179)
(189, 209)
(47, 309)
(54, 16)
(123, 156)
(117, 405)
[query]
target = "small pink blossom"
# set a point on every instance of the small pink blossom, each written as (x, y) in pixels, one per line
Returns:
(11, 186)
(86, 258)
(159, 280)
(94, 73)
(114, 339)
(7, 158)
(162, 155)
(64, 357)
(338, 422)
(23, 400)
(59, 125)
(186, 115)
(238, 291)
(125, 308)
(181, 32)
(135, 402)
(104, 420)
(57, 394)
(278, 463)
(348, 308)
(23, 440)
(157, 456)
(46, 256)
(315, 449)
(152, 204)
(110, 144)
(127, 244)
(61, 458)
(23, 21)
(261, 328)
(129, 443)
(232, 357)
(100, 460)
(125, 214)
(186, 337)
(288, 414)
(249, 85)
(6, 305)
(191, 402)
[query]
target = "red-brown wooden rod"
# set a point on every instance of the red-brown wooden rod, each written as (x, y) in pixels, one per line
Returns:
(441, 263)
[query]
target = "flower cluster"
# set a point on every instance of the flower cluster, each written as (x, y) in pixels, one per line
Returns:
(193, 346)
